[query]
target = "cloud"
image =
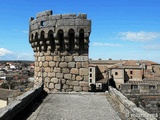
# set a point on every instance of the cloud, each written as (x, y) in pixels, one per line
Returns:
(9, 55)
(106, 44)
(152, 47)
(4, 52)
(139, 36)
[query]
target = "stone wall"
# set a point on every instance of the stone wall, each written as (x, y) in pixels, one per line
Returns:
(127, 109)
(61, 43)
(22, 101)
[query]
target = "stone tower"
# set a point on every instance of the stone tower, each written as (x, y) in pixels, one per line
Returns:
(60, 44)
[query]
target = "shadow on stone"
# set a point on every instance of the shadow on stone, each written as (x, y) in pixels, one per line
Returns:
(31, 107)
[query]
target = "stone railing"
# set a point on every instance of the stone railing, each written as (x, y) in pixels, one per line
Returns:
(127, 110)
(16, 106)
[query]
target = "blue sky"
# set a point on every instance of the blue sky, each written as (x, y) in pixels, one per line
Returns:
(121, 29)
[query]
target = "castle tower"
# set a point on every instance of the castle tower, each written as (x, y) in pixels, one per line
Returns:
(60, 44)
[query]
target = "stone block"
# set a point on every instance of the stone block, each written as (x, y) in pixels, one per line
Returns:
(44, 13)
(47, 69)
(83, 71)
(55, 80)
(68, 58)
(68, 16)
(85, 78)
(77, 88)
(59, 75)
(57, 70)
(63, 81)
(49, 58)
(85, 89)
(52, 64)
(74, 71)
(82, 16)
(85, 64)
(78, 64)
(71, 64)
(65, 86)
(56, 58)
(63, 65)
(57, 86)
(65, 70)
(79, 78)
(73, 77)
(45, 64)
(81, 58)
(51, 85)
(67, 76)
(83, 84)
(46, 79)
(74, 83)
(55, 17)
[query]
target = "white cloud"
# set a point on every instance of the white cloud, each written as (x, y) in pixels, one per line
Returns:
(106, 44)
(9, 55)
(152, 46)
(4, 52)
(139, 36)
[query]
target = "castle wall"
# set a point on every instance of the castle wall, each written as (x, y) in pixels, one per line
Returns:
(60, 43)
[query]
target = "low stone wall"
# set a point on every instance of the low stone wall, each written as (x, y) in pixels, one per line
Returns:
(20, 103)
(127, 109)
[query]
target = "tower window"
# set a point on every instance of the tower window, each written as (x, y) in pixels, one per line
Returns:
(131, 72)
(116, 73)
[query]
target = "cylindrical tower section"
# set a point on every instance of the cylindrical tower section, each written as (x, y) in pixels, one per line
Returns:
(60, 44)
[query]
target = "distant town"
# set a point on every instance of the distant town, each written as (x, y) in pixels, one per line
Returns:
(16, 77)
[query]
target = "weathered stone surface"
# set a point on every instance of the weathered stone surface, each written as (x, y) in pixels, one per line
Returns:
(47, 69)
(56, 58)
(63, 81)
(77, 88)
(45, 13)
(46, 79)
(63, 65)
(65, 70)
(83, 84)
(74, 83)
(65, 86)
(81, 58)
(73, 77)
(52, 63)
(59, 75)
(79, 78)
(54, 80)
(85, 64)
(49, 58)
(74, 71)
(51, 85)
(78, 65)
(67, 76)
(57, 86)
(45, 64)
(69, 16)
(51, 74)
(83, 71)
(85, 89)
(71, 64)
(57, 70)
(68, 58)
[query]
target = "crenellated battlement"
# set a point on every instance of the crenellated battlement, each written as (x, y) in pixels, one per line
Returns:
(62, 32)
(60, 43)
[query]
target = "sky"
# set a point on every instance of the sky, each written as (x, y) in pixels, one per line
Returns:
(121, 29)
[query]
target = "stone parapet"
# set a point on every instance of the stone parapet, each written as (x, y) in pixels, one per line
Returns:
(20, 103)
(127, 109)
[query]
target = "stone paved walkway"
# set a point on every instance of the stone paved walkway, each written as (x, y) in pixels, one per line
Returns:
(75, 106)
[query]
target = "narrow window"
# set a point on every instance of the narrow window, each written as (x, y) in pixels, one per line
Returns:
(116, 73)
(44, 41)
(71, 39)
(51, 39)
(81, 40)
(152, 87)
(131, 77)
(134, 86)
(90, 75)
(131, 72)
(90, 69)
(90, 80)
(61, 39)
